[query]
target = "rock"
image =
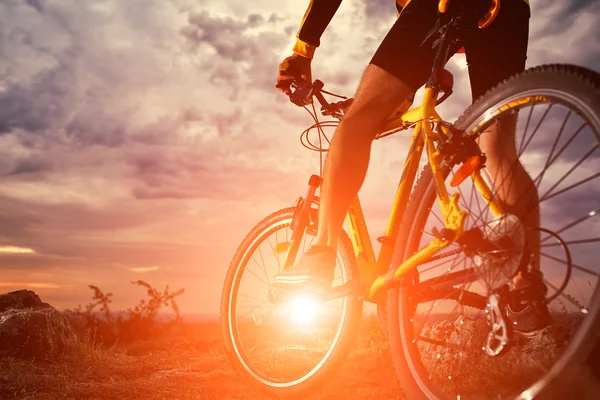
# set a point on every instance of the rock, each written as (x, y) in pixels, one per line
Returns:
(20, 299)
(32, 329)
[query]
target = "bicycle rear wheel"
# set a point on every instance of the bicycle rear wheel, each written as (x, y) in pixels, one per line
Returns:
(437, 339)
(284, 349)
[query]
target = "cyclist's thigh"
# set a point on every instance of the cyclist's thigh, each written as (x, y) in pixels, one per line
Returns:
(500, 50)
(401, 53)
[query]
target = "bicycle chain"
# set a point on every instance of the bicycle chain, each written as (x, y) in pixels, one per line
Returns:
(466, 298)
(441, 256)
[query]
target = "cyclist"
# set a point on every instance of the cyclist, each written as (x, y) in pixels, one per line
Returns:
(399, 67)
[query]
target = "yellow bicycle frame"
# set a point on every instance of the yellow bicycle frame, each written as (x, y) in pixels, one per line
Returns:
(379, 273)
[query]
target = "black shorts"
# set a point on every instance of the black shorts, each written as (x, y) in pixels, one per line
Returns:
(493, 53)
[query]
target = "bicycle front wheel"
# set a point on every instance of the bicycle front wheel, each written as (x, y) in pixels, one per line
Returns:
(285, 349)
(438, 337)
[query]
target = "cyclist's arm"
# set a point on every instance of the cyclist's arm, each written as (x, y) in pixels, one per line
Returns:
(316, 18)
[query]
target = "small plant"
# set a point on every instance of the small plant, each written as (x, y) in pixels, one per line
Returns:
(135, 323)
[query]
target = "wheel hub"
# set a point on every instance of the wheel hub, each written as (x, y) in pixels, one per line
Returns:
(498, 261)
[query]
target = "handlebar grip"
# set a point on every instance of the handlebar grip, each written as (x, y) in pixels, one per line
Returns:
(302, 96)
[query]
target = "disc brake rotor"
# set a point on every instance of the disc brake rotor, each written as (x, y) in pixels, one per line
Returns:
(497, 266)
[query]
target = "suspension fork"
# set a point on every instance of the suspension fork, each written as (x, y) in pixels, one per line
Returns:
(301, 220)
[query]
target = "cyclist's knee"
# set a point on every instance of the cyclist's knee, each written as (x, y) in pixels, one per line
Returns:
(378, 96)
(358, 127)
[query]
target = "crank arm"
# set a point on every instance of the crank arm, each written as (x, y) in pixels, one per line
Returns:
(351, 288)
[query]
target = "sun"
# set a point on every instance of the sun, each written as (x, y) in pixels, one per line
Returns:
(303, 309)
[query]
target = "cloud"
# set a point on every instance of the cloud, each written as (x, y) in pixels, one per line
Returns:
(16, 249)
(142, 270)
(236, 50)
(565, 32)
(38, 106)
(36, 4)
(134, 137)
(31, 285)
(380, 9)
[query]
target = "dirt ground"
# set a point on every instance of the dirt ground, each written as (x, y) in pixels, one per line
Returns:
(191, 368)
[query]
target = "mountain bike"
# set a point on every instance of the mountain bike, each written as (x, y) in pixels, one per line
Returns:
(445, 272)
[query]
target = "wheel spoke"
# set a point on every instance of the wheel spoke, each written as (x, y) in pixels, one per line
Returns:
(572, 224)
(539, 178)
(577, 267)
(257, 277)
(565, 172)
(263, 263)
(568, 298)
(249, 311)
(527, 126)
(433, 303)
(524, 144)
(267, 337)
(276, 253)
(250, 297)
(548, 197)
(585, 157)
(571, 242)
(583, 125)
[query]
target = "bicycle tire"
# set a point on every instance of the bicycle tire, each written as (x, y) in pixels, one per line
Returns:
(576, 374)
(347, 330)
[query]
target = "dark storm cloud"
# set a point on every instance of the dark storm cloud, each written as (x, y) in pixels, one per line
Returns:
(244, 57)
(568, 30)
(31, 164)
(578, 6)
(92, 128)
(380, 8)
(228, 36)
(224, 34)
(205, 174)
(36, 4)
(40, 105)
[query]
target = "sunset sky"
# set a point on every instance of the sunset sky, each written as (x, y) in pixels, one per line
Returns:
(142, 139)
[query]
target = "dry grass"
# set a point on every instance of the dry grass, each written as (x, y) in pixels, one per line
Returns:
(191, 365)
(136, 323)
(134, 356)
(131, 355)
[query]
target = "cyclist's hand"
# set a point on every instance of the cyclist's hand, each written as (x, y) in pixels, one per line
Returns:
(294, 68)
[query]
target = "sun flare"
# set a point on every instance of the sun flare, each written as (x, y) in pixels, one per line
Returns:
(303, 309)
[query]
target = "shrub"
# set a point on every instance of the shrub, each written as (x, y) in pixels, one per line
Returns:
(135, 323)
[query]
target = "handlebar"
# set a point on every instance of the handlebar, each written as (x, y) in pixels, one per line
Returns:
(303, 96)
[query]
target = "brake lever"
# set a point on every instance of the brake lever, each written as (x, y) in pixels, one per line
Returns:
(302, 96)
(337, 109)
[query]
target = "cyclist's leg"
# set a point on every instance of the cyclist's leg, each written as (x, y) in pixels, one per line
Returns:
(379, 94)
(494, 54)
(398, 68)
